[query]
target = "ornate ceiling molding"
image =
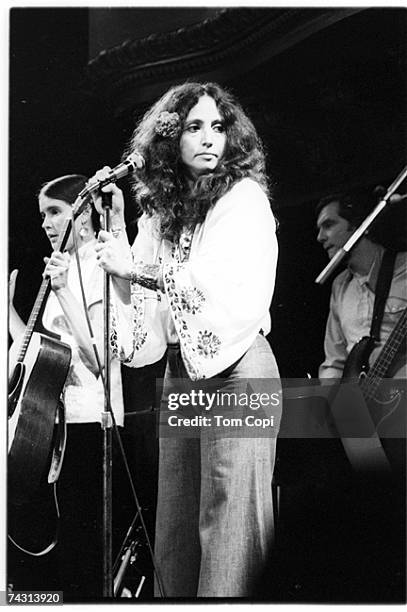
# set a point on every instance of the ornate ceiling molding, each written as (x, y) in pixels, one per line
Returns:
(231, 42)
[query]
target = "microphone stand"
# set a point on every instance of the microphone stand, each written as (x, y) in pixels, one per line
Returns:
(107, 417)
(358, 233)
(106, 423)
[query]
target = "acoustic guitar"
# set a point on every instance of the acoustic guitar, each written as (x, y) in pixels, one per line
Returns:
(38, 371)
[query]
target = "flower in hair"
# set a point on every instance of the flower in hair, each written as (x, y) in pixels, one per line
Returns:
(167, 125)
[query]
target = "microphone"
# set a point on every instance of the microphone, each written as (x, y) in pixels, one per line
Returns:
(133, 162)
(380, 192)
(396, 198)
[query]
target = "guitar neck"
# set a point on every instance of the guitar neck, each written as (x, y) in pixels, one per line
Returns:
(32, 321)
(43, 293)
(77, 208)
(382, 364)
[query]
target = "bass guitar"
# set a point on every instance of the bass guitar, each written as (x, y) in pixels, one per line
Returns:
(355, 409)
(383, 402)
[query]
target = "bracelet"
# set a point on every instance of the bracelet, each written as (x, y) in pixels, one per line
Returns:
(145, 275)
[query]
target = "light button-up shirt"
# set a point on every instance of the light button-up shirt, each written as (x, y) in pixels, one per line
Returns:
(351, 311)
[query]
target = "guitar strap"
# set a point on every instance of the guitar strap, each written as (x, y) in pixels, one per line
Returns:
(381, 292)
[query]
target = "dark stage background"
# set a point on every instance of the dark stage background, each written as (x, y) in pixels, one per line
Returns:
(326, 89)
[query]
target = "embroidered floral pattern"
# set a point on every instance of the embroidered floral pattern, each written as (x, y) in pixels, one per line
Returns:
(208, 344)
(186, 302)
(175, 253)
(139, 335)
(187, 346)
(192, 300)
(114, 346)
(185, 241)
(139, 338)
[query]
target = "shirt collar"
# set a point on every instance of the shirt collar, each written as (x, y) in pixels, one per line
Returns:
(370, 279)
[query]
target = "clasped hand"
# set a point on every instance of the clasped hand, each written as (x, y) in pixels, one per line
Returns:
(112, 255)
(56, 269)
(113, 189)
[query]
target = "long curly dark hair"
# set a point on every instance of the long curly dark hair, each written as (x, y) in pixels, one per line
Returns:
(164, 186)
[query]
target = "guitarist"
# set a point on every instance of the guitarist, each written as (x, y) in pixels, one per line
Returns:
(353, 295)
(353, 290)
(371, 509)
(79, 488)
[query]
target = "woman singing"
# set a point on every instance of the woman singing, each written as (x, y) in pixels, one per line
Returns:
(198, 282)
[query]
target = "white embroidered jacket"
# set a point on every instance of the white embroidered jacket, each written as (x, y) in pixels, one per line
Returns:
(216, 302)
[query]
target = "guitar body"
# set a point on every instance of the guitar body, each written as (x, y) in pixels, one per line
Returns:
(388, 409)
(34, 395)
(385, 400)
(357, 362)
(382, 408)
